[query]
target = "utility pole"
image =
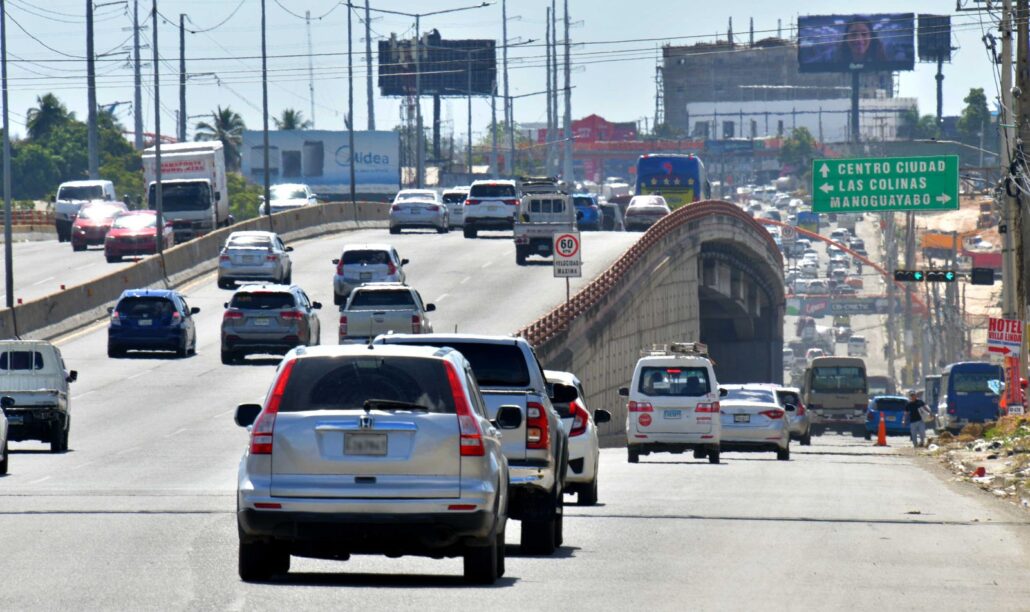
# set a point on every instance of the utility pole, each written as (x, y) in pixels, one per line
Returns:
(419, 153)
(494, 170)
(567, 171)
(182, 77)
(91, 90)
(507, 100)
(137, 101)
(311, 67)
(910, 263)
(350, 111)
(8, 246)
(1008, 204)
(552, 130)
(892, 258)
(550, 110)
(1022, 13)
(368, 71)
(158, 191)
(264, 118)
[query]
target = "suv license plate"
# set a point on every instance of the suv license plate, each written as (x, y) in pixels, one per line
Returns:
(673, 414)
(262, 322)
(364, 444)
(366, 276)
(144, 322)
(742, 418)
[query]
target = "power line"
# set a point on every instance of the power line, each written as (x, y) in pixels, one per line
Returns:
(219, 24)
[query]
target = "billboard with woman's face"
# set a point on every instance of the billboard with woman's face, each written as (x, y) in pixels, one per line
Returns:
(844, 43)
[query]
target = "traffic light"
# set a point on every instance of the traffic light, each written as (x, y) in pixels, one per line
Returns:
(940, 276)
(982, 276)
(908, 276)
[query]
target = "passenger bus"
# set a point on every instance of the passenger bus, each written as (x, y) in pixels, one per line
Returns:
(835, 392)
(966, 395)
(680, 179)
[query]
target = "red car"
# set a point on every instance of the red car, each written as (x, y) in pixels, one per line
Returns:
(93, 222)
(133, 233)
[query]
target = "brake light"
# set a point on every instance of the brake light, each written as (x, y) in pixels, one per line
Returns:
(264, 425)
(580, 419)
(339, 267)
(295, 315)
(951, 408)
(416, 324)
(116, 319)
(271, 258)
(471, 442)
(471, 202)
(224, 258)
(394, 208)
(772, 414)
(801, 410)
(343, 326)
(870, 416)
(434, 208)
(538, 435)
(232, 314)
(391, 268)
(511, 202)
(176, 317)
(640, 407)
(712, 407)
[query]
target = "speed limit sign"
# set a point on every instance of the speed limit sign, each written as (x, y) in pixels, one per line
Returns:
(568, 255)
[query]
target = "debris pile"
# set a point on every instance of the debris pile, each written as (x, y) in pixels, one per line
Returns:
(995, 456)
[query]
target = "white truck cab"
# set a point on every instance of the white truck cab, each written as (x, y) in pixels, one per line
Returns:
(673, 403)
(34, 381)
(71, 196)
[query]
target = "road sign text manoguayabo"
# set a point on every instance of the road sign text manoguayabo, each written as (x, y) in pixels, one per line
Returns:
(885, 184)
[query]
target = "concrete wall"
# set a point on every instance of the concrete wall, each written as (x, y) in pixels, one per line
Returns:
(82, 304)
(650, 296)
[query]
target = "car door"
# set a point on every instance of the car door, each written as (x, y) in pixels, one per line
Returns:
(401, 277)
(187, 320)
(314, 324)
(284, 256)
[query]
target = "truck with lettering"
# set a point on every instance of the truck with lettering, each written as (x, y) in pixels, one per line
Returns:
(194, 195)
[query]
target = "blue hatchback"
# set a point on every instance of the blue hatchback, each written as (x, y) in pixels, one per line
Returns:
(588, 213)
(151, 320)
(894, 413)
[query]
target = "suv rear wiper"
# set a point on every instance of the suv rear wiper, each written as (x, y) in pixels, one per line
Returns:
(385, 404)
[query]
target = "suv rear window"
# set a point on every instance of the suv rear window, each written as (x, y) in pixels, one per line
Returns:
(673, 381)
(371, 258)
(495, 365)
(492, 191)
(400, 297)
(344, 383)
(885, 403)
(262, 300)
(145, 307)
(21, 360)
(453, 198)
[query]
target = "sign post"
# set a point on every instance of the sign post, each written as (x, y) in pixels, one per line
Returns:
(568, 258)
(885, 184)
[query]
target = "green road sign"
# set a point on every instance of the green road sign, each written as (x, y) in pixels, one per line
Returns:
(885, 184)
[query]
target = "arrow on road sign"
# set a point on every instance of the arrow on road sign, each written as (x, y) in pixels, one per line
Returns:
(825, 171)
(1004, 350)
(826, 188)
(943, 198)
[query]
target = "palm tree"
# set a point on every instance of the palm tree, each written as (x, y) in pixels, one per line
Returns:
(49, 113)
(227, 126)
(292, 119)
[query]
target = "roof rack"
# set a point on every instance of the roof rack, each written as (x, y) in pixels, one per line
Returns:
(543, 184)
(677, 349)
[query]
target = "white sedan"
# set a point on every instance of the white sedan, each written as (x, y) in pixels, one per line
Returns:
(5, 403)
(584, 448)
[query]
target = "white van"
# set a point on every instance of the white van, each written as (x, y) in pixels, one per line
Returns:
(673, 403)
(857, 346)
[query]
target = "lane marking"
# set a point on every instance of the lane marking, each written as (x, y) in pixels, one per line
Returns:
(487, 265)
(45, 280)
(442, 297)
(81, 465)
(39, 480)
(175, 433)
(140, 374)
(465, 280)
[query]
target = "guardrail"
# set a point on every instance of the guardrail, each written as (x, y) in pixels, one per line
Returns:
(550, 325)
(29, 217)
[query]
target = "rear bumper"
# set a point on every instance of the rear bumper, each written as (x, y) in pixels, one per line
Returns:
(490, 223)
(582, 459)
(751, 447)
(280, 343)
(35, 423)
(170, 339)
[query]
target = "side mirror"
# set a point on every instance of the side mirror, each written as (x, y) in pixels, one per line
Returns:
(623, 391)
(316, 305)
(225, 304)
(430, 307)
(246, 414)
(508, 417)
(110, 310)
(563, 394)
(405, 262)
(8, 402)
(723, 392)
(194, 310)
(289, 249)
(336, 262)
(602, 416)
(73, 376)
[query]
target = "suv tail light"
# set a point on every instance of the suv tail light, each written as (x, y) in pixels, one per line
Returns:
(434, 208)
(640, 407)
(801, 410)
(471, 202)
(471, 441)
(176, 317)
(339, 267)
(264, 426)
(294, 315)
(416, 324)
(224, 258)
(391, 268)
(116, 319)
(772, 414)
(511, 202)
(580, 419)
(232, 314)
(712, 407)
(394, 208)
(538, 435)
(343, 326)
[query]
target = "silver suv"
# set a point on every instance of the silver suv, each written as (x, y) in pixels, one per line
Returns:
(360, 264)
(268, 319)
(373, 450)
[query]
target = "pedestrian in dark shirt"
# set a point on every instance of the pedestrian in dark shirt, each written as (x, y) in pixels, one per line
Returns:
(916, 425)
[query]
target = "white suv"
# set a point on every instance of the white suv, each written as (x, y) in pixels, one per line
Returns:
(491, 205)
(674, 403)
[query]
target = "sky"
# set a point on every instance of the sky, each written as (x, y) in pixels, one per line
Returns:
(614, 53)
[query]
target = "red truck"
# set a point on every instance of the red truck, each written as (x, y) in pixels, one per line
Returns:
(984, 259)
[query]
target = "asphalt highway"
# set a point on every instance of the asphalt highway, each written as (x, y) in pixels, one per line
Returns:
(41, 267)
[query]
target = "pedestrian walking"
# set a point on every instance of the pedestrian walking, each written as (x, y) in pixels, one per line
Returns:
(916, 410)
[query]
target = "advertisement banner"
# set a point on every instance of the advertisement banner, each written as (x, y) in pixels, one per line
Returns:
(845, 43)
(321, 160)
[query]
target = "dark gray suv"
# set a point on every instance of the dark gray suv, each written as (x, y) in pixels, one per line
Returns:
(268, 319)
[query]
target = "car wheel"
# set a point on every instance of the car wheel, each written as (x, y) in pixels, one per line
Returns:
(480, 563)
(469, 232)
(115, 352)
(260, 561)
(500, 555)
(634, 456)
(58, 437)
(183, 349)
(442, 230)
(520, 256)
(288, 280)
(783, 454)
(395, 230)
(78, 247)
(806, 440)
(699, 453)
(538, 537)
(3, 460)
(713, 457)
(229, 357)
(868, 436)
(588, 494)
(225, 284)
(113, 258)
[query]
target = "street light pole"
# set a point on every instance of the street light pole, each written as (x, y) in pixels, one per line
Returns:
(159, 229)
(264, 119)
(468, 91)
(8, 247)
(92, 139)
(418, 102)
(350, 110)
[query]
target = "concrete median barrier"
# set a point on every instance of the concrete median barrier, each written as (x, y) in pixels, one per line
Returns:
(66, 310)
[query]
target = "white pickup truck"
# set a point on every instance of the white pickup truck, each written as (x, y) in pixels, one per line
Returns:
(33, 376)
(378, 308)
(546, 208)
(508, 374)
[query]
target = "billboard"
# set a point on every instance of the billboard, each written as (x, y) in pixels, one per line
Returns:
(934, 38)
(444, 65)
(320, 159)
(845, 43)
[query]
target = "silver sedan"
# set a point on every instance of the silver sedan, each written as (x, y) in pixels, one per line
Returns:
(753, 421)
(419, 214)
(254, 256)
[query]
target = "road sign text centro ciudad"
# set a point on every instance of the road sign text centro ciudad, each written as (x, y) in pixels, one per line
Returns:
(885, 184)
(568, 255)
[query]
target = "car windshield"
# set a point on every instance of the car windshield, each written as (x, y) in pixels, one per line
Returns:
(90, 192)
(454, 197)
(345, 383)
(285, 192)
(21, 360)
(583, 201)
(763, 396)
(838, 379)
(253, 242)
(145, 307)
(369, 258)
(399, 297)
(889, 403)
(492, 190)
(180, 197)
(495, 365)
(99, 212)
(973, 382)
(262, 300)
(672, 381)
(135, 222)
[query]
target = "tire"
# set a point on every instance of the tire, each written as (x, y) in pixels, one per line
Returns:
(59, 436)
(78, 247)
(559, 525)
(225, 284)
(395, 230)
(114, 352)
(469, 232)
(868, 436)
(3, 459)
(806, 440)
(182, 351)
(230, 357)
(288, 280)
(538, 537)
(480, 563)
(500, 555)
(520, 256)
(634, 456)
(713, 457)
(699, 453)
(113, 258)
(783, 454)
(442, 230)
(259, 561)
(192, 350)
(588, 494)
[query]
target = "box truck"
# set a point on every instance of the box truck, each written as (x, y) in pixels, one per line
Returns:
(193, 188)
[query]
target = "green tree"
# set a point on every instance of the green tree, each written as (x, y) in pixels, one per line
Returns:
(244, 196)
(48, 113)
(35, 171)
(226, 126)
(798, 151)
(975, 116)
(913, 127)
(291, 119)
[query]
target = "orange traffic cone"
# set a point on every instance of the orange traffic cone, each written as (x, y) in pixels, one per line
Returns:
(881, 432)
